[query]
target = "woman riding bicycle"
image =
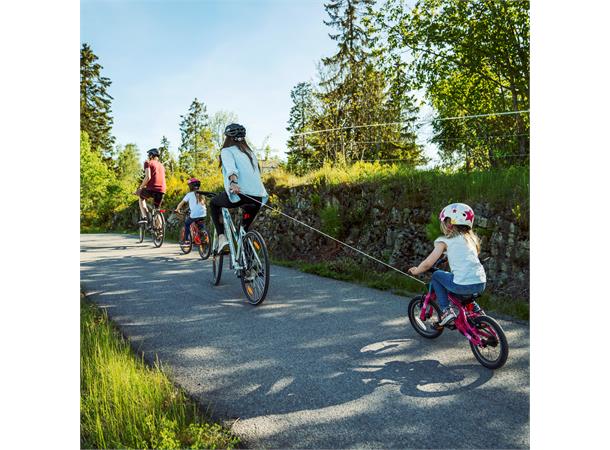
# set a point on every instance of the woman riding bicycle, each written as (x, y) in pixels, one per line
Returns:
(196, 204)
(467, 274)
(242, 181)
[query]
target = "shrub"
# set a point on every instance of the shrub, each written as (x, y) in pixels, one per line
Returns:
(331, 220)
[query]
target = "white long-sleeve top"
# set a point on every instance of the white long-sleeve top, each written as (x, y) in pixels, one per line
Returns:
(236, 162)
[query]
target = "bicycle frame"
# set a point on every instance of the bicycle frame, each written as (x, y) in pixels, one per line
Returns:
(195, 233)
(236, 239)
(461, 321)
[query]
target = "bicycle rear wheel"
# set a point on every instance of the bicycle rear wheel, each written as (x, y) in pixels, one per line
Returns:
(255, 277)
(141, 231)
(205, 248)
(216, 268)
(493, 352)
(158, 228)
(186, 248)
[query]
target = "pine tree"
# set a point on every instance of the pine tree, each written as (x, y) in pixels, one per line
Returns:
(166, 157)
(95, 104)
(301, 155)
(345, 68)
(356, 93)
(197, 147)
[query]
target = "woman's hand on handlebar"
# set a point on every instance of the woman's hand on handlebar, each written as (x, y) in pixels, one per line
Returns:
(235, 188)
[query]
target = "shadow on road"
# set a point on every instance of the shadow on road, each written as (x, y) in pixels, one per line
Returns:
(314, 345)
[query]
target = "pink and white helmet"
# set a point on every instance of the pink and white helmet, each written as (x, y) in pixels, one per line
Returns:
(459, 213)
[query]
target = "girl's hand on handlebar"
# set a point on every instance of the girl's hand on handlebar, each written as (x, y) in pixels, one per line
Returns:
(235, 188)
(413, 271)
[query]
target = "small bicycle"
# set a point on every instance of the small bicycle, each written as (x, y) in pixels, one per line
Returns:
(248, 257)
(199, 237)
(485, 335)
(155, 226)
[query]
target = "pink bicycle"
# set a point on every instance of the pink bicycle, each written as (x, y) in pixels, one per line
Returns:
(485, 335)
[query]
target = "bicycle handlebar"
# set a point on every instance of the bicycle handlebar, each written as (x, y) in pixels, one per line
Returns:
(208, 194)
(435, 267)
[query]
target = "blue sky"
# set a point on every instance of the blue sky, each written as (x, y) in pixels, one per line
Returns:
(242, 56)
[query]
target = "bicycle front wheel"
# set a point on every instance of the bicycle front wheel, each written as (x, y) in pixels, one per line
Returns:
(205, 247)
(255, 277)
(158, 229)
(425, 328)
(493, 352)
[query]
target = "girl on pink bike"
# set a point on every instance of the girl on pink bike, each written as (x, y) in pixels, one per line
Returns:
(467, 274)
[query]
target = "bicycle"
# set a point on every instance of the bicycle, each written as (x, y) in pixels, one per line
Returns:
(199, 237)
(155, 225)
(485, 335)
(248, 257)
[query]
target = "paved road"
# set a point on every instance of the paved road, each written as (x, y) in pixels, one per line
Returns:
(321, 364)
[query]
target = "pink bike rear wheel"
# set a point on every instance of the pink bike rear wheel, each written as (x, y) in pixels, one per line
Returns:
(493, 352)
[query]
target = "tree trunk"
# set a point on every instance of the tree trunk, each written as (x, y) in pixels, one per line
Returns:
(520, 128)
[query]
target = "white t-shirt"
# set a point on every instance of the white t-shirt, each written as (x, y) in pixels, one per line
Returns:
(463, 260)
(197, 209)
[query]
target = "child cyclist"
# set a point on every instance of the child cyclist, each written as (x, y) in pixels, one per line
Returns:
(196, 204)
(467, 274)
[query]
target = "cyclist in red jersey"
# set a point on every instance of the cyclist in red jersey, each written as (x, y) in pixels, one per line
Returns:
(153, 184)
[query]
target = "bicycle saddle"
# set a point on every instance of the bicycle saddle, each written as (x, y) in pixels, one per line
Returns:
(466, 298)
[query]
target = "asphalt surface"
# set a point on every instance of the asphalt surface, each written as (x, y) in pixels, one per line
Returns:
(320, 364)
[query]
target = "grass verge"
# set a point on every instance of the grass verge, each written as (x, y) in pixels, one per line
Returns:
(127, 404)
(347, 270)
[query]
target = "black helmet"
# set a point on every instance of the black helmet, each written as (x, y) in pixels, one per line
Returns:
(236, 131)
(153, 152)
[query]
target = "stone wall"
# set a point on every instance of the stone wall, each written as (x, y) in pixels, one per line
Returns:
(393, 233)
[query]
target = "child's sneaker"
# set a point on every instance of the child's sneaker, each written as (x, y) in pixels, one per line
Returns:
(447, 316)
(477, 309)
(143, 220)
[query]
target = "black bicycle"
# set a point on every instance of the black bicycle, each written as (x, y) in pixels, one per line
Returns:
(155, 225)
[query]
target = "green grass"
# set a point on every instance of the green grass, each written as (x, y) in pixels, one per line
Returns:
(435, 188)
(127, 404)
(349, 270)
(514, 307)
(92, 229)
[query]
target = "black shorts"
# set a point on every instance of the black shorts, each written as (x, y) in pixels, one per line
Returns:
(156, 196)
